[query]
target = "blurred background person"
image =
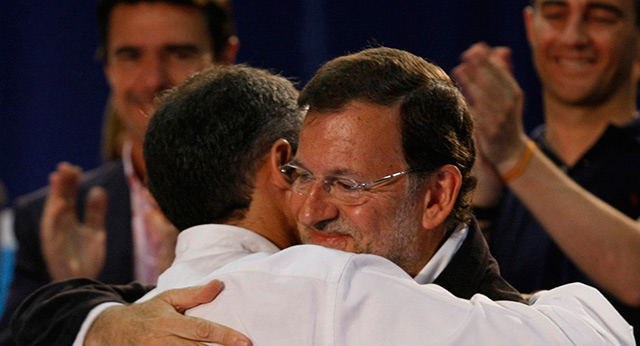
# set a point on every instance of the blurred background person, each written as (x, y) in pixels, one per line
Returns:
(7, 245)
(104, 224)
(571, 204)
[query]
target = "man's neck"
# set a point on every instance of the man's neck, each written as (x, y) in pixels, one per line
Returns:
(424, 249)
(269, 223)
(267, 213)
(572, 129)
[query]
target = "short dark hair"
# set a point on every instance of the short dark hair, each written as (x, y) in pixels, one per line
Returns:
(436, 126)
(208, 138)
(218, 12)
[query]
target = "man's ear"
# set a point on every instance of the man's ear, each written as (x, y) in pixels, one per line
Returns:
(280, 154)
(527, 15)
(228, 56)
(108, 74)
(442, 187)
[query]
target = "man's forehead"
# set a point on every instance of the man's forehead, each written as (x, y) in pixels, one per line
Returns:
(588, 3)
(357, 139)
(355, 125)
(158, 23)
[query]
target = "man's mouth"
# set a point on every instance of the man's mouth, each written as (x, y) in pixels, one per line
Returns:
(574, 63)
(325, 238)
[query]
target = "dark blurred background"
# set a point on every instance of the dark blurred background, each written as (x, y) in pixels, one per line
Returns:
(52, 90)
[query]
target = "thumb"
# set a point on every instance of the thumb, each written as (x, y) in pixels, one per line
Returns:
(501, 56)
(185, 298)
(96, 208)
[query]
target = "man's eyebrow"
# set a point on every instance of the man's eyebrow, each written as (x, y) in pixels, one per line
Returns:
(543, 3)
(345, 172)
(606, 6)
(591, 5)
(125, 49)
(169, 47)
(336, 172)
(182, 47)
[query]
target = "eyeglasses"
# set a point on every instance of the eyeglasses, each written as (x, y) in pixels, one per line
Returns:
(345, 190)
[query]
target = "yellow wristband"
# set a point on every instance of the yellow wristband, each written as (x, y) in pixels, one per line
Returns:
(522, 162)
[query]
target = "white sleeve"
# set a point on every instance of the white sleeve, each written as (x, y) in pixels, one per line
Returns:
(93, 314)
(378, 304)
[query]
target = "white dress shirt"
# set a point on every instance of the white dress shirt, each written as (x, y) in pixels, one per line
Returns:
(203, 249)
(309, 295)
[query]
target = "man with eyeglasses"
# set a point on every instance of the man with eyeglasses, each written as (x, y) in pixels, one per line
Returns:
(414, 211)
(384, 113)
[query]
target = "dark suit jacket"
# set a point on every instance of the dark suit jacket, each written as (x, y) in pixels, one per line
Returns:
(30, 269)
(53, 315)
(474, 270)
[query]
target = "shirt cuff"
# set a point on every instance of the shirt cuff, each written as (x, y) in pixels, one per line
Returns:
(93, 314)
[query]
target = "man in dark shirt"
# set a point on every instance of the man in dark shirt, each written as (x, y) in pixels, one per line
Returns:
(569, 209)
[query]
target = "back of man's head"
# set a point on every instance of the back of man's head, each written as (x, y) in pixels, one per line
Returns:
(210, 135)
(436, 126)
(219, 15)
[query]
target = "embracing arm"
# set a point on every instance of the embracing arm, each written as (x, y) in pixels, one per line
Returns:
(54, 315)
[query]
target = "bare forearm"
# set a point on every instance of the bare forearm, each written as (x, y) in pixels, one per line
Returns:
(602, 241)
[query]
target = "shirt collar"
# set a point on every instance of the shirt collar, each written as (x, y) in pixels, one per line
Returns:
(443, 256)
(212, 238)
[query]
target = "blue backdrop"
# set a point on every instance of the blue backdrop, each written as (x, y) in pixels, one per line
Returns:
(52, 91)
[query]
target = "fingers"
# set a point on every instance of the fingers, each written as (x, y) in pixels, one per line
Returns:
(209, 291)
(63, 188)
(185, 298)
(197, 329)
(71, 249)
(93, 235)
(62, 198)
(502, 57)
(484, 68)
(495, 99)
(65, 180)
(486, 80)
(96, 208)
(59, 209)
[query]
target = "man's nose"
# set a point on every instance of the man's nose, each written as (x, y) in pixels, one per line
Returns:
(318, 206)
(154, 75)
(575, 31)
